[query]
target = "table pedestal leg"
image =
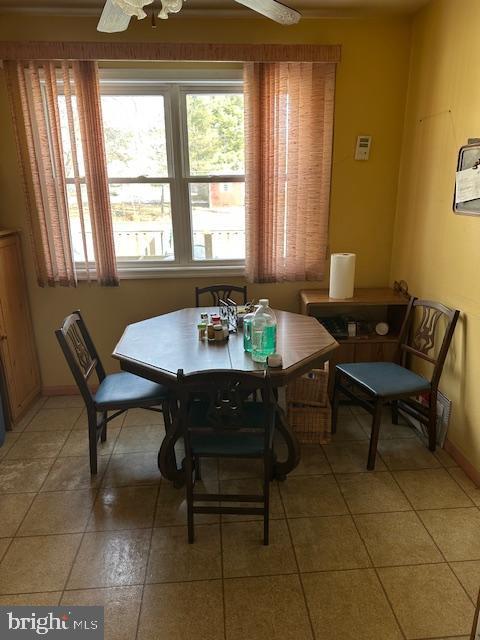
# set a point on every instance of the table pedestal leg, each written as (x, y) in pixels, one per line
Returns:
(282, 468)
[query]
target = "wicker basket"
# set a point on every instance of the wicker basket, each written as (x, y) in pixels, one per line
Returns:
(310, 389)
(308, 408)
(312, 425)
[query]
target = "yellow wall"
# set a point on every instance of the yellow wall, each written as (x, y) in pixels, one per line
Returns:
(371, 88)
(436, 251)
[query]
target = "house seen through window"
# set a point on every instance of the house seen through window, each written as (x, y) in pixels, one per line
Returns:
(175, 159)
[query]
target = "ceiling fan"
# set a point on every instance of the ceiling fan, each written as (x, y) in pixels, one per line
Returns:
(116, 14)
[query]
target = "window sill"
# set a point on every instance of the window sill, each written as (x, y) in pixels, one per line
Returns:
(173, 272)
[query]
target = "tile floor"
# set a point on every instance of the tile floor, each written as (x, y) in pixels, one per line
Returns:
(354, 555)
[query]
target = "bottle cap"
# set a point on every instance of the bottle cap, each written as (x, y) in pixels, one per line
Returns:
(275, 360)
(264, 302)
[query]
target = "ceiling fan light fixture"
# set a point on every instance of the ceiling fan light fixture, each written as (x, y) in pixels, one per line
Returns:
(170, 6)
(133, 7)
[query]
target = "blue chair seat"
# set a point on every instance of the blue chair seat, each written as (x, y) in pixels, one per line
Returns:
(125, 390)
(385, 379)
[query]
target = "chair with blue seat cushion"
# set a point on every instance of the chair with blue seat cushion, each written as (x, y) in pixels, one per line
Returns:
(219, 419)
(116, 392)
(374, 384)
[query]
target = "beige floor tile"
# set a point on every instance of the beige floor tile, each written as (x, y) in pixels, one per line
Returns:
(182, 611)
(82, 422)
(348, 427)
(407, 454)
(349, 605)
(69, 474)
(37, 445)
(467, 485)
(312, 462)
(110, 559)
(123, 508)
(13, 508)
(4, 542)
(468, 573)
(432, 489)
(64, 402)
(17, 476)
(388, 430)
(54, 419)
(122, 608)
(252, 486)
(233, 469)
(10, 438)
(139, 417)
(275, 605)
(38, 564)
(428, 601)
(244, 553)
(31, 413)
(446, 459)
(77, 444)
(456, 532)
(397, 539)
(58, 512)
(132, 469)
(328, 544)
(172, 559)
(172, 505)
(140, 438)
(349, 457)
(373, 492)
(312, 496)
(50, 599)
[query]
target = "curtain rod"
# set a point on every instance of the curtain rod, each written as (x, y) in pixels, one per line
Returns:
(11, 50)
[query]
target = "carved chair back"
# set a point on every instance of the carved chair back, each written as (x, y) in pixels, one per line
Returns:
(225, 396)
(80, 354)
(421, 332)
(220, 292)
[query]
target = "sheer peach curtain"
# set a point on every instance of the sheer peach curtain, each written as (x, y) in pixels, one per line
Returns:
(289, 110)
(35, 88)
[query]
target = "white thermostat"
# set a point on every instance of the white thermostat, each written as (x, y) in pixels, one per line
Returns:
(362, 151)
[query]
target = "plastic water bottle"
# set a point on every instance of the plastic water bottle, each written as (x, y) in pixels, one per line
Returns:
(264, 332)
(247, 332)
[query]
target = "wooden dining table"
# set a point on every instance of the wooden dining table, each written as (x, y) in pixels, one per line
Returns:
(157, 348)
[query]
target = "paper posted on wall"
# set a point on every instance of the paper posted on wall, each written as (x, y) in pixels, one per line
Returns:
(468, 185)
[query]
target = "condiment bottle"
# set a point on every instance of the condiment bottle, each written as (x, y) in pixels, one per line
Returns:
(218, 331)
(210, 332)
(202, 330)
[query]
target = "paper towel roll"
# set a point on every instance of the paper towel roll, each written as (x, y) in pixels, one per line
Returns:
(342, 275)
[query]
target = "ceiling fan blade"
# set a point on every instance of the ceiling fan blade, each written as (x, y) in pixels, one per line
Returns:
(113, 19)
(273, 10)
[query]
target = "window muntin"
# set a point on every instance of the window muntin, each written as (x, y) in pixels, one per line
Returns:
(164, 215)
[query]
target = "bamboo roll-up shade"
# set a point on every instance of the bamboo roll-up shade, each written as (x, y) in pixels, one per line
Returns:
(169, 51)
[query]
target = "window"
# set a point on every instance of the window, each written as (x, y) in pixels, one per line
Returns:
(175, 157)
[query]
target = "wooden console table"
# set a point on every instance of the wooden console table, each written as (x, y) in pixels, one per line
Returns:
(367, 306)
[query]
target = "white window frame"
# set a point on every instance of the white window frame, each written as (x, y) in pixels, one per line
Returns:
(174, 85)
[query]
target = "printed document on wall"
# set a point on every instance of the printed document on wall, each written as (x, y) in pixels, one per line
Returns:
(468, 185)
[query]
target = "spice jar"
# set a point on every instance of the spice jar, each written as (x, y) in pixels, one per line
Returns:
(202, 330)
(218, 331)
(215, 319)
(210, 332)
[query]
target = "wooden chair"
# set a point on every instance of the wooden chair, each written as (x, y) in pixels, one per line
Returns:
(218, 420)
(220, 292)
(373, 384)
(116, 392)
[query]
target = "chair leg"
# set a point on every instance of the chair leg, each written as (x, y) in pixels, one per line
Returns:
(92, 441)
(189, 491)
(198, 474)
(432, 423)
(335, 402)
(266, 499)
(372, 452)
(103, 437)
(395, 412)
(167, 418)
